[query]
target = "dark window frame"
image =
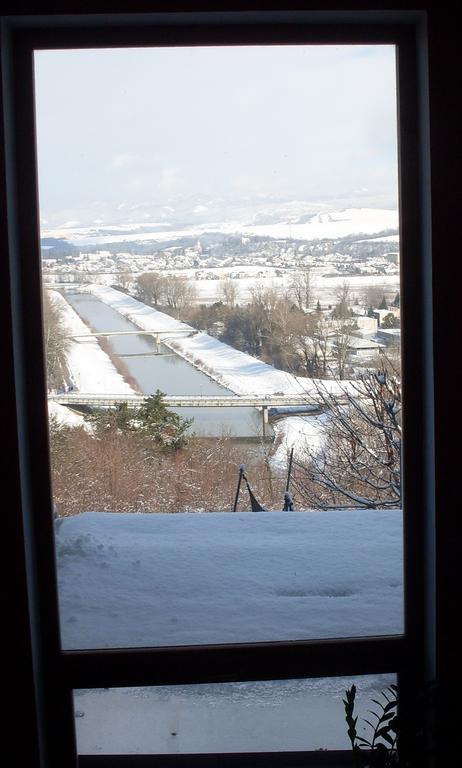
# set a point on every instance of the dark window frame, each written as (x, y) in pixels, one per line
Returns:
(57, 673)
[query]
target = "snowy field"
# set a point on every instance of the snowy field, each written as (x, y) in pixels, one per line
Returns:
(154, 579)
(324, 288)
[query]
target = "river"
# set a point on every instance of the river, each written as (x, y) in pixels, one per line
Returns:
(167, 372)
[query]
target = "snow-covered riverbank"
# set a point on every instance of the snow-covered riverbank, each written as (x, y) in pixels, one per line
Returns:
(237, 371)
(91, 369)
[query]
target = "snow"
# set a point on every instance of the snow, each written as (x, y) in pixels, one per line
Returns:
(91, 369)
(64, 416)
(174, 579)
(158, 579)
(248, 716)
(305, 434)
(331, 225)
(324, 288)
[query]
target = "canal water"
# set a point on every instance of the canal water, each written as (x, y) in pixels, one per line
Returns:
(168, 372)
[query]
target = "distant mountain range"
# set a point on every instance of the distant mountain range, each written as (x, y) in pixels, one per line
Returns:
(194, 217)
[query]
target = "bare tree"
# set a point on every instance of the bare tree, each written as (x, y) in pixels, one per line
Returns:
(342, 331)
(125, 280)
(229, 292)
(342, 309)
(359, 464)
(150, 288)
(263, 306)
(180, 293)
(311, 344)
(373, 295)
(300, 287)
(57, 342)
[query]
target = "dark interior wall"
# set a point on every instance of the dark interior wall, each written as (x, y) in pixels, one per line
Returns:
(445, 137)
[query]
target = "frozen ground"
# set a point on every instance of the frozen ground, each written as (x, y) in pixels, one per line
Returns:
(154, 579)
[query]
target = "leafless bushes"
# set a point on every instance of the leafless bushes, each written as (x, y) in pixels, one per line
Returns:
(359, 464)
(56, 343)
(173, 292)
(116, 473)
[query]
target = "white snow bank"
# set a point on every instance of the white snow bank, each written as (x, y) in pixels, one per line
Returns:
(238, 371)
(64, 416)
(302, 433)
(159, 579)
(90, 368)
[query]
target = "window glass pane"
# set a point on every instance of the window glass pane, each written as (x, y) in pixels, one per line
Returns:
(280, 715)
(220, 255)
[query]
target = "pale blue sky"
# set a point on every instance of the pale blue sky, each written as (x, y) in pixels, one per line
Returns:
(121, 128)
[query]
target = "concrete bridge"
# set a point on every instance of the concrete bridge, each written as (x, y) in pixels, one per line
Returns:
(157, 336)
(263, 402)
(167, 332)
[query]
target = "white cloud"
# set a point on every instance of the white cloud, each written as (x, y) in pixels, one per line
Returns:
(171, 180)
(123, 161)
(69, 224)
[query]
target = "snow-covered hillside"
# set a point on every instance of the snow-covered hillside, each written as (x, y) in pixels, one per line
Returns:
(323, 224)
